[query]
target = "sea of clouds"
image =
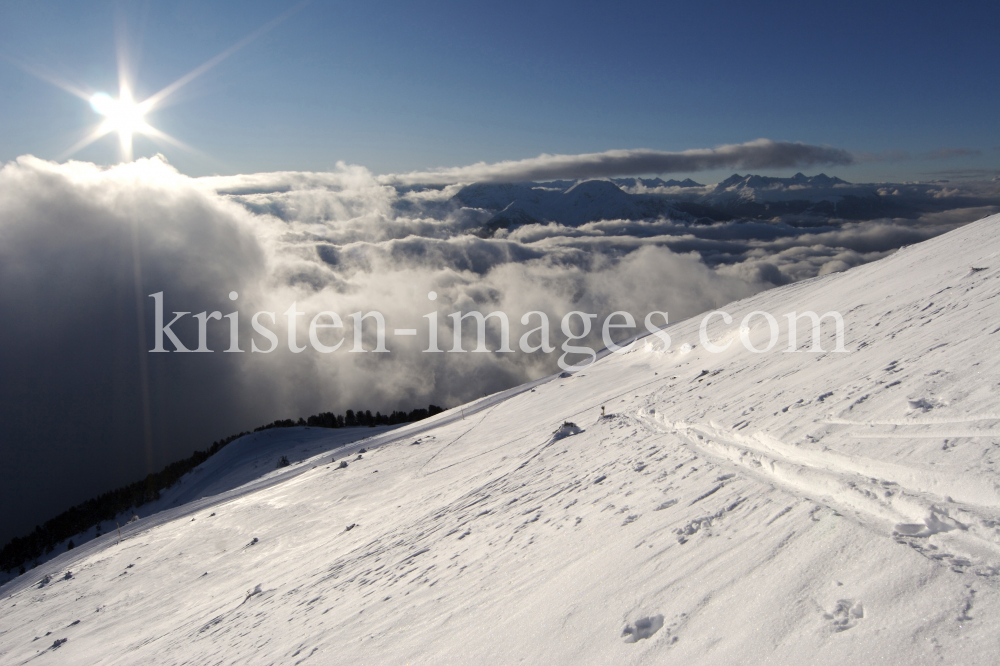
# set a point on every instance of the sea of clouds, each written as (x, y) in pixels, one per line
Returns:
(84, 406)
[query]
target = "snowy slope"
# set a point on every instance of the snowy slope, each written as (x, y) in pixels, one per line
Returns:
(255, 456)
(733, 507)
(250, 459)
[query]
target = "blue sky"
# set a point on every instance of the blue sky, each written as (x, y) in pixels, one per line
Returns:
(405, 86)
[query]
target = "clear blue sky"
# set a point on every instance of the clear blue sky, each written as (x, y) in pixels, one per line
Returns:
(401, 86)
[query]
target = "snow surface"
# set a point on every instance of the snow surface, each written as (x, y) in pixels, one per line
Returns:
(786, 508)
(248, 460)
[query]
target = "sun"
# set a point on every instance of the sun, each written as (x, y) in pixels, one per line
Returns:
(122, 116)
(126, 117)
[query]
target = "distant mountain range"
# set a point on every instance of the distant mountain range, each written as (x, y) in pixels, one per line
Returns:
(800, 200)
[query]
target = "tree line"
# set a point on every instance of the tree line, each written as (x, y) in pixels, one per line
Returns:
(19, 552)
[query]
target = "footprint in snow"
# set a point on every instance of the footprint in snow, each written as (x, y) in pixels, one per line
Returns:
(845, 615)
(642, 629)
(915, 404)
(938, 521)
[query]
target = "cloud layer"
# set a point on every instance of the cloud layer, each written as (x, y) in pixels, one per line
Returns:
(86, 407)
(754, 155)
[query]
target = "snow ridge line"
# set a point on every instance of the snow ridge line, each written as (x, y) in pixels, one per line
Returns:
(69, 558)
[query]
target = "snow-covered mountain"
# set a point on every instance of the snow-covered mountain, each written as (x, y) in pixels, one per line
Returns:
(668, 503)
(799, 200)
(575, 205)
(799, 180)
(653, 183)
(249, 461)
(760, 197)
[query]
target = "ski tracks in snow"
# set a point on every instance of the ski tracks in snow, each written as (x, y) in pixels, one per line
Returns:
(909, 503)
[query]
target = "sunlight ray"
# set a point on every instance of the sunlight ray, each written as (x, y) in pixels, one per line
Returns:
(48, 76)
(157, 99)
(124, 115)
(156, 134)
(100, 131)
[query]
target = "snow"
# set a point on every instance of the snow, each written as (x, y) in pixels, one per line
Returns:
(731, 507)
(249, 460)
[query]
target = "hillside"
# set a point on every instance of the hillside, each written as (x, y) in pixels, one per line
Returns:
(729, 507)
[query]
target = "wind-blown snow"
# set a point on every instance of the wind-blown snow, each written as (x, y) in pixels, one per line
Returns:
(787, 508)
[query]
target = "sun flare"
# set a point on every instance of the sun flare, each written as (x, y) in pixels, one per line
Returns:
(122, 116)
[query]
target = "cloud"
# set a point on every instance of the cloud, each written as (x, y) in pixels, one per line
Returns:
(75, 406)
(965, 173)
(759, 154)
(949, 153)
(864, 157)
(74, 401)
(904, 155)
(75, 238)
(770, 253)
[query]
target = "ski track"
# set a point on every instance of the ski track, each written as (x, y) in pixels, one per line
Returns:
(902, 502)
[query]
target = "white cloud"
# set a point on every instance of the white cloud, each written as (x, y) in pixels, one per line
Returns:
(72, 396)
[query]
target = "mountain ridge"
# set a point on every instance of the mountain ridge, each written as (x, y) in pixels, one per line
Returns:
(798, 200)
